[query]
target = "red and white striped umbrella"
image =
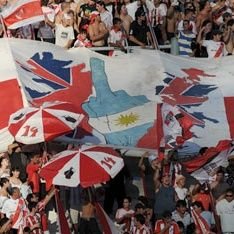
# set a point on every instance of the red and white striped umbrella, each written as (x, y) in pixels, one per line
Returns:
(31, 125)
(86, 166)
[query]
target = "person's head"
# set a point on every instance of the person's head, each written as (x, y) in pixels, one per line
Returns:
(205, 6)
(189, 14)
(100, 6)
(127, 202)
(198, 206)
(181, 206)
(167, 216)
(139, 208)
(32, 197)
(4, 162)
(154, 161)
(143, 200)
(32, 206)
(71, 19)
(117, 22)
(123, 10)
(66, 20)
(189, 5)
(166, 179)
(180, 181)
(35, 158)
(15, 193)
(229, 195)
(27, 230)
(140, 14)
(220, 175)
(3, 3)
(217, 35)
(4, 183)
(191, 229)
(181, 227)
(83, 34)
(15, 172)
(226, 16)
(139, 220)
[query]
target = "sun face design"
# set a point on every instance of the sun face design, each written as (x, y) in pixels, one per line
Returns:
(128, 119)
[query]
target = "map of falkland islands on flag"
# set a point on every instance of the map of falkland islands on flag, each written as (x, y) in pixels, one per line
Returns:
(119, 96)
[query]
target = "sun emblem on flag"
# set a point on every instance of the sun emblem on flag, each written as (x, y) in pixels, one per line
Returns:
(128, 119)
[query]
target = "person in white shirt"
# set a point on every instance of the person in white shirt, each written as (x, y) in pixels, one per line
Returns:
(15, 209)
(215, 48)
(124, 215)
(180, 187)
(64, 33)
(225, 210)
(106, 16)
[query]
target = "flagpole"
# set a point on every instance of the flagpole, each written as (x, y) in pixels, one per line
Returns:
(216, 218)
(155, 41)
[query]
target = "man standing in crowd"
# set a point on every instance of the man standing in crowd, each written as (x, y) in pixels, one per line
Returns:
(15, 209)
(225, 210)
(139, 34)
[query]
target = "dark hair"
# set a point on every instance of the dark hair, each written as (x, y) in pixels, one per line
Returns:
(14, 169)
(180, 203)
(229, 190)
(188, 10)
(143, 200)
(166, 214)
(3, 181)
(101, 3)
(140, 218)
(191, 228)
(115, 21)
(203, 4)
(180, 224)
(139, 206)
(128, 198)
(32, 205)
(139, 12)
(203, 149)
(230, 22)
(198, 204)
(27, 229)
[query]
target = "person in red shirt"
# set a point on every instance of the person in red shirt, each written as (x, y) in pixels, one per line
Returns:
(32, 170)
(203, 196)
(166, 225)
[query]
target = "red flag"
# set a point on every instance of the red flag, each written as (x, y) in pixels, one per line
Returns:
(201, 224)
(210, 153)
(62, 220)
(107, 224)
(22, 12)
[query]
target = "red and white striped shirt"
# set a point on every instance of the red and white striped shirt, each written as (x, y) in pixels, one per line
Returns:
(32, 220)
(142, 230)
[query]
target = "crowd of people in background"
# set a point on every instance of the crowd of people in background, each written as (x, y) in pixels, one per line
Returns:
(171, 196)
(198, 28)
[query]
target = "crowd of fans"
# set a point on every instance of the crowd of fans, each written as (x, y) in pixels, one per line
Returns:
(170, 198)
(201, 28)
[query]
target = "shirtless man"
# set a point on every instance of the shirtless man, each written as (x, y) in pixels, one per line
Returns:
(126, 18)
(97, 30)
(173, 18)
(204, 14)
(88, 223)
